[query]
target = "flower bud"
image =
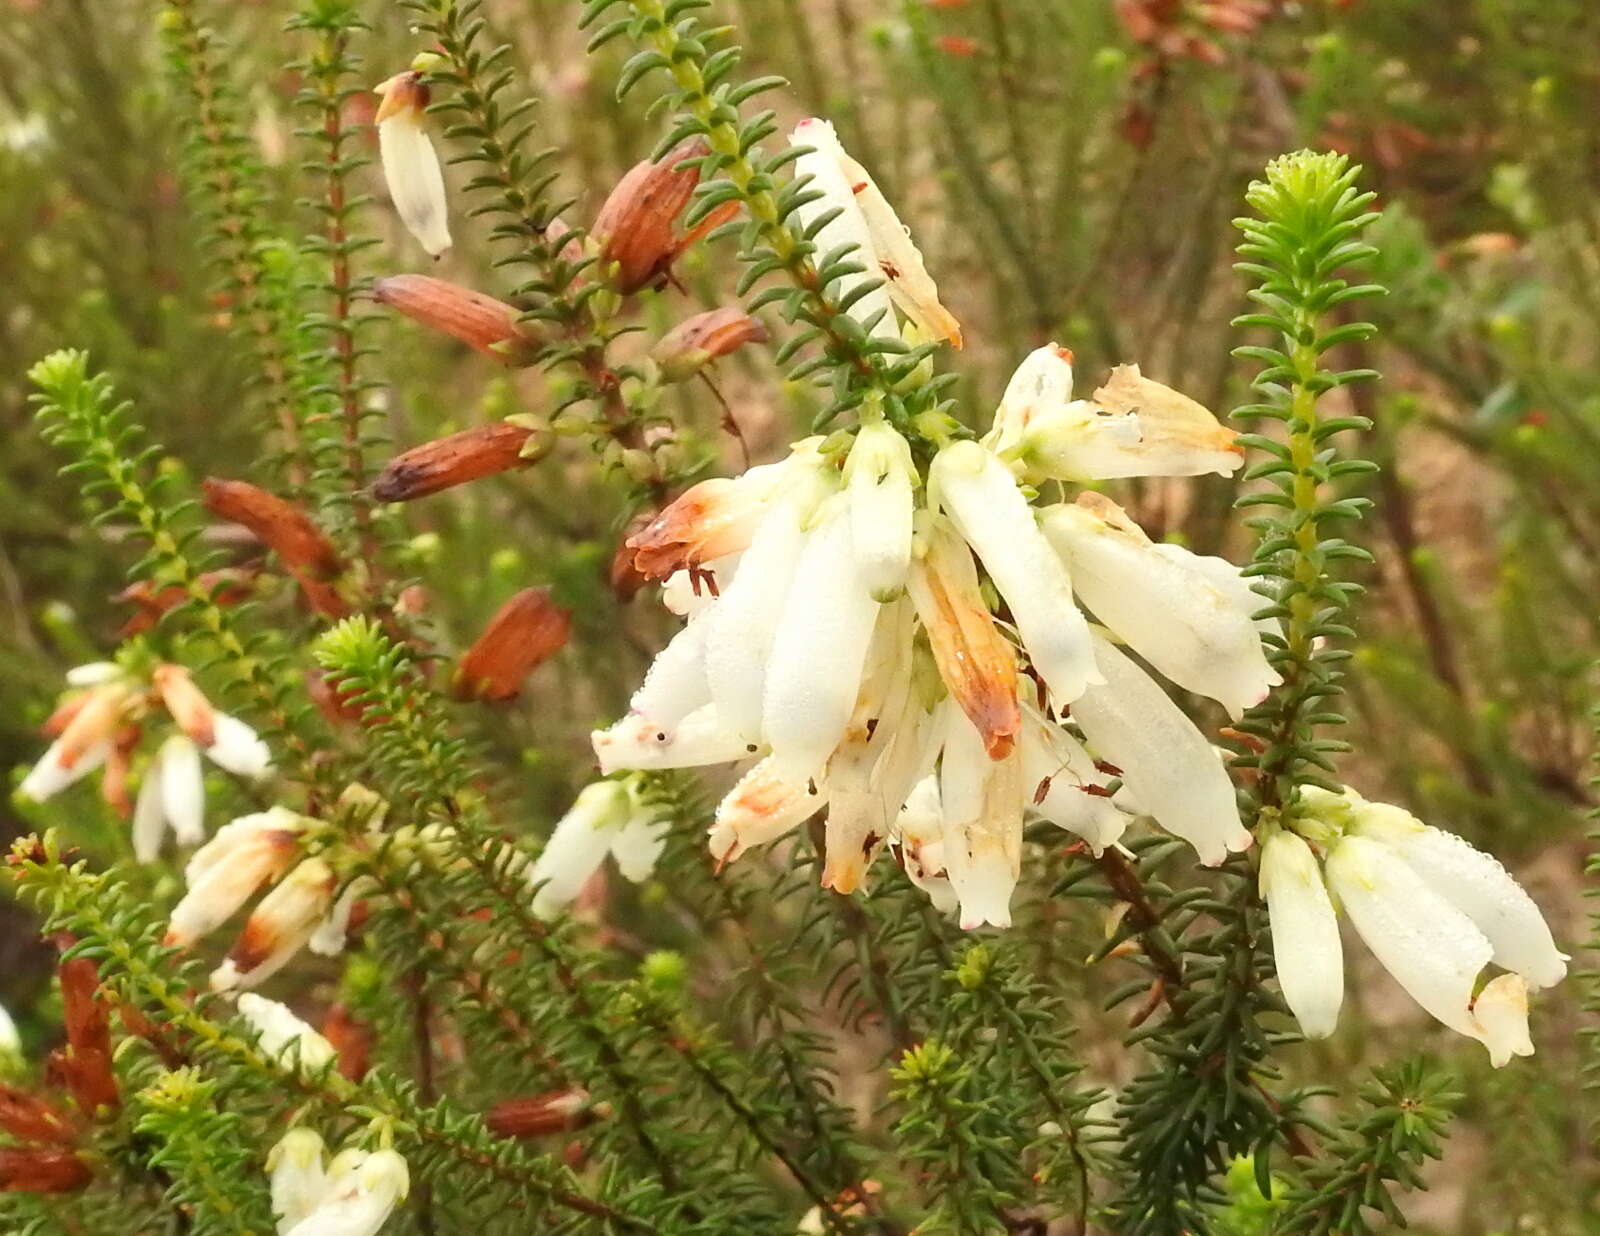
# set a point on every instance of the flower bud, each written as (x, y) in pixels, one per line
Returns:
(524, 633)
(636, 228)
(694, 343)
(190, 709)
(536, 1115)
(456, 459)
(41, 1169)
(481, 322)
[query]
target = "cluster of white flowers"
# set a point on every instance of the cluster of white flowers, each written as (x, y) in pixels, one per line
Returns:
(101, 723)
(839, 630)
(1433, 910)
(352, 1195)
(300, 910)
(609, 817)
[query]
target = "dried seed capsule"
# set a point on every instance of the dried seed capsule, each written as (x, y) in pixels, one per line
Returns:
(490, 326)
(637, 227)
(535, 1115)
(288, 531)
(525, 632)
(41, 1169)
(455, 460)
(695, 342)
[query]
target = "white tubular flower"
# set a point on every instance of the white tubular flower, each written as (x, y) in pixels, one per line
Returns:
(819, 650)
(279, 927)
(982, 802)
(1169, 609)
(882, 245)
(410, 165)
(1177, 437)
(1305, 933)
(700, 738)
(361, 1193)
(225, 872)
(879, 477)
(578, 846)
(919, 838)
(182, 790)
(763, 806)
(238, 749)
(675, 684)
(1173, 773)
(283, 1036)
(990, 512)
(299, 1176)
(637, 845)
(1474, 883)
(55, 772)
(1062, 784)
(1431, 948)
(1501, 1014)
(744, 622)
(86, 726)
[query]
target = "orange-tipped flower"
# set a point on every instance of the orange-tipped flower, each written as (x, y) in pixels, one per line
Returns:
(479, 321)
(715, 517)
(457, 459)
(524, 633)
(694, 343)
(285, 529)
(536, 1115)
(637, 227)
(186, 702)
(976, 662)
(281, 923)
(41, 1169)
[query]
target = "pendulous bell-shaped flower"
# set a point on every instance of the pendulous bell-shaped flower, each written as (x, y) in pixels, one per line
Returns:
(353, 1195)
(410, 164)
(882, 249)
(607, 817)
(283, 1036)
(1305, 933)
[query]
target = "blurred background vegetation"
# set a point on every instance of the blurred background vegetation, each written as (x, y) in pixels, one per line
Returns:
(1070, 168)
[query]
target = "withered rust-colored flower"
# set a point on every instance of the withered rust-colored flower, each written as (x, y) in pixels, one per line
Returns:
(524, 633)
(228, 586)
(31, 1118)
(624, 576)
(85, 1062)
(288, 531)
(491, 326)
(637, 227)
(694, 343)
(41, 1169)
(351, 1038)
(536, 1115)
(456, 459)
(710, 519)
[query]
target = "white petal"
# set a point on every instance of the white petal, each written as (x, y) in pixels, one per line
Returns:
(578, 845)
(93, 674)
(183, 788)
(238, 749)
(1177, 437)
(762, 807)
(329, 939)
(1305, 934)
(1501, 1012)
(1477, 885)
(638, 844)
(878, 481)
(687, 593)
(149, 815)
(982, 498)
(415, 180)
(825, 165)
(1172, 613)
(1173, 772)
(919, 835)
(700, 738)
(982, 801)
(1054, 759)
(1431, 948)
(818, 652)
(745, 621)
(283, 1035)
(299, 1178)
(675, 684)
(1039, 385)
(48, 777)
(360, 1199)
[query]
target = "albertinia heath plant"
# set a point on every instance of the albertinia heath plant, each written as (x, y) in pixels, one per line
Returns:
(912, 782)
